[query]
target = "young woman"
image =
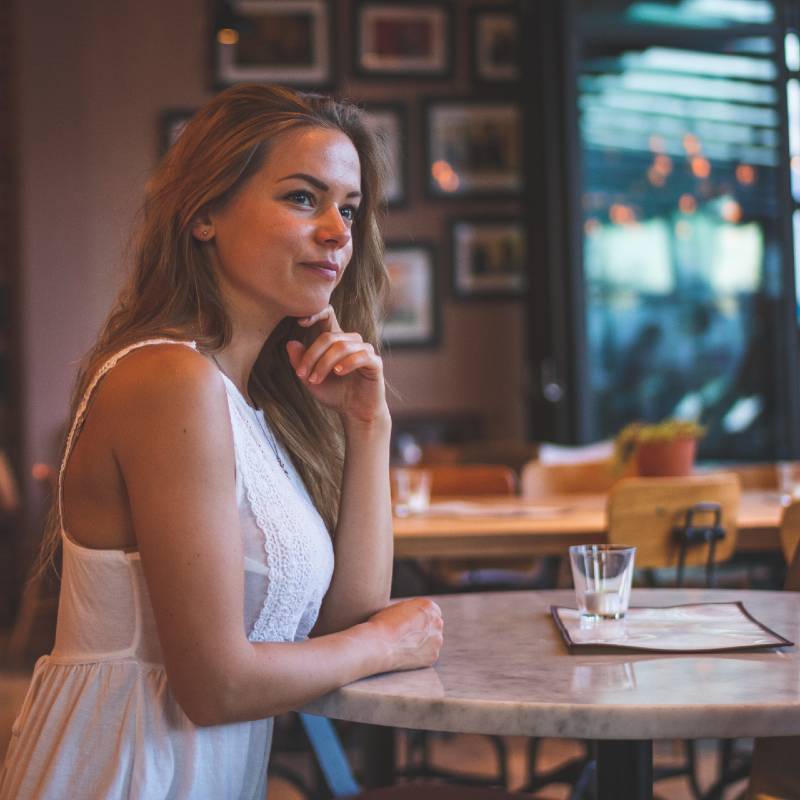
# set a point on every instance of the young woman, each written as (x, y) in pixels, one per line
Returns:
(223, 498)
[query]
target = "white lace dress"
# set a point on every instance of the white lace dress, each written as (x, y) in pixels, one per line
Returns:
(99, 719)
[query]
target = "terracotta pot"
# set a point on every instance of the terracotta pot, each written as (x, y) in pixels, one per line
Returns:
(662, 459)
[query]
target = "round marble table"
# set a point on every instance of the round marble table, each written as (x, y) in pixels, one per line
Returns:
(504, 669)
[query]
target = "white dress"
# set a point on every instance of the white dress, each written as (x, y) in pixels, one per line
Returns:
(99, 719)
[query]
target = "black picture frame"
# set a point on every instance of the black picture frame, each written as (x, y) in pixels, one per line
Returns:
(473, 147)
(402, 40)
(495, 40)
(488, 257)
(390, 122)
(288, 42)
(172, 123)
(412, 314)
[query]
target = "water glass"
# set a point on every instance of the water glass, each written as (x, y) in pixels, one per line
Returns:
(411, 490)
(602, 574)
(788, 481)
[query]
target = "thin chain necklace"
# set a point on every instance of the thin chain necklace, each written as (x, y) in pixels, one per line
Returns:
(260, 421)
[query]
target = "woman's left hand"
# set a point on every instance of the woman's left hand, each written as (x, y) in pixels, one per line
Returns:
(340, 369)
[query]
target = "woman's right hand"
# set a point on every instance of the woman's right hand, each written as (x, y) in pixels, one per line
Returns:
(412, 632)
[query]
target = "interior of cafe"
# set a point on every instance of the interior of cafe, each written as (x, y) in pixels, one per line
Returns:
(590, 340)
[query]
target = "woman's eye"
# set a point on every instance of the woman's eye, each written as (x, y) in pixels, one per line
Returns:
(301, 197)
(349, 213)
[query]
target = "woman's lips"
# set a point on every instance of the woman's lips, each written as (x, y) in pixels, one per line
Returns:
(326, 269)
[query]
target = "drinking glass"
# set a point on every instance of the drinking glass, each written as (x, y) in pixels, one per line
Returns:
(602, 574)
(788, 481)
(411, 490)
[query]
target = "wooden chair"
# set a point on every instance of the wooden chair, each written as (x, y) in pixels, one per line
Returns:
(541, 480)
(790, 538)
(471, 479)
(655, 515)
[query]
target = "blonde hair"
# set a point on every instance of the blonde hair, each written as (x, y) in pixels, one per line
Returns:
(173, 290)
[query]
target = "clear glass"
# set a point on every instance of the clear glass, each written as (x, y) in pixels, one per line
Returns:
(411, 490)
(602, 574)
(789, 481)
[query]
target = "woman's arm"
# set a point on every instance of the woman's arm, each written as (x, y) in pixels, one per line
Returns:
(344, 373)
(172, 440)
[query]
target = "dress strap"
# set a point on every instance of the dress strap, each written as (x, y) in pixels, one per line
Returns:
(80, 414)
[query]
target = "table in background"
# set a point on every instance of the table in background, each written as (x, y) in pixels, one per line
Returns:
(505, 670)
(553, 525)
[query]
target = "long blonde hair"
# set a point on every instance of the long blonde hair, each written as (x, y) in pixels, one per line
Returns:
(173, 291)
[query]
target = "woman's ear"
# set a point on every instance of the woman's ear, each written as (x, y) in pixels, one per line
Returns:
(203, 228)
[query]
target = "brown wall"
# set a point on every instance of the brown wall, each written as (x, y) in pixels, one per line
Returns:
(93, 77)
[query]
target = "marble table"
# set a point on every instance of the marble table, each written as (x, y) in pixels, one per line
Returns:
(553, 524)
(505, 670)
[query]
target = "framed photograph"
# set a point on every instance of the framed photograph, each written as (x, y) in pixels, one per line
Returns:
(412, 312)
(173, 121)
(488, 257)
(403, 39)
(388, 122)
(495, 44)
(276, 41)
(473, 148)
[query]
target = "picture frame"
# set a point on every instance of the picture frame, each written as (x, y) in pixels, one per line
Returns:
(396, 39)
(488, 257)
(473, 147)
(495, 44)
(412, 310)
(288, 42)
(389, 122)
(173, 121)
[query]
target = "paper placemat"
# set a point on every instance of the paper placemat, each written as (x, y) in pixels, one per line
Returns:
(693, 628)
(463, 508)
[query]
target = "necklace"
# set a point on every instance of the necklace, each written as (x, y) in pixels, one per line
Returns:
(260, 421)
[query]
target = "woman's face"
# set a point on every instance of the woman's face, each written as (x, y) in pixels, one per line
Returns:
(282, 243)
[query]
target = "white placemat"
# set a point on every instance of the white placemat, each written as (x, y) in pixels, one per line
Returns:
(694, 628)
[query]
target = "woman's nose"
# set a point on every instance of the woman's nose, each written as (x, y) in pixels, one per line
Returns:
(333, 229)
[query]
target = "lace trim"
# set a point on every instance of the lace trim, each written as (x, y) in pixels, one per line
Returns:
(80, 414)
(297, 546)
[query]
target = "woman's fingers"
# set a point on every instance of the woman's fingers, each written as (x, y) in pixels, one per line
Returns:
(363, 359)
(325, 318)
(295, 351)
(314, 353)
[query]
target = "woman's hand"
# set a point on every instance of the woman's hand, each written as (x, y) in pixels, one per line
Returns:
(412, 632)
(340, 369)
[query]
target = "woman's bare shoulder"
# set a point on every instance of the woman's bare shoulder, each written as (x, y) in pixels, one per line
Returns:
(157, 380)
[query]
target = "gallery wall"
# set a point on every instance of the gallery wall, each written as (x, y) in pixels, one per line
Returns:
(93, 81)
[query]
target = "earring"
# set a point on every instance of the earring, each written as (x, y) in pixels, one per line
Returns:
(206, 233)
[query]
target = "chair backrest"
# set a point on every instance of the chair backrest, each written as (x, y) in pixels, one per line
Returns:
(591, 477)
(790, 538)
(645, 513)
(476, 479)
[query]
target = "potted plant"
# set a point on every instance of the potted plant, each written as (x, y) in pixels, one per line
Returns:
(661, 448)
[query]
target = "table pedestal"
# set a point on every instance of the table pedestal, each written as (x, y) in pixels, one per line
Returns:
(624, 770)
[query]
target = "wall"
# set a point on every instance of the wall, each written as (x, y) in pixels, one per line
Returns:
(93, 77)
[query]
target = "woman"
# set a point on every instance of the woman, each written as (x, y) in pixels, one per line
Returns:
(224, 424)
